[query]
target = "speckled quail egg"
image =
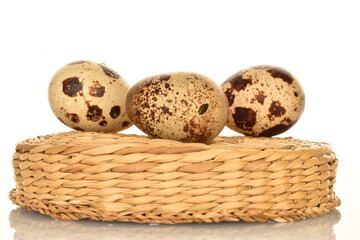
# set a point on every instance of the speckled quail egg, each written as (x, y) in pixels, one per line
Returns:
(182, 106)
(263, 100)
(89, 96)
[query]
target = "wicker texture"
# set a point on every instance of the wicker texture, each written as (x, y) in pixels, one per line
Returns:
(117, 177)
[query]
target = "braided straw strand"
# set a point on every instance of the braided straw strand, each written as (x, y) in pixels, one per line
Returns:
(118, 177)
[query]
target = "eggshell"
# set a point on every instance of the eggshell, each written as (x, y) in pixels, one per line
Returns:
(264, 100)
(89, 96)
(182, 106)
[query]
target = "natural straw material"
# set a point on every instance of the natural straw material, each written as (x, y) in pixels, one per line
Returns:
(117, 177)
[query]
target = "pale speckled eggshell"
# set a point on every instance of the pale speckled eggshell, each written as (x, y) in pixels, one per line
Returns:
(89, 96)
(264, 100)
(182, 106)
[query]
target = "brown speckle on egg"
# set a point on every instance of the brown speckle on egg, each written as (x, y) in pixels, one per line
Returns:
(103, 123)
(230, 96)
(281, 73)
(183, 101)
(264, 100)
(276, 110)
(76, 62)
(71, 86)
(165, 110)
(125, 124)
(275, 130)
(73, 117)
(115, 111)
(109, 72)
(94, 113)
(145, 105)
(244, 118)
(186, 127)
(260, 97)
(165, 77)
(238, 82)
(97, 90)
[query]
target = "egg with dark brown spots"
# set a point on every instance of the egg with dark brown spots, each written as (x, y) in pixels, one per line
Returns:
(89, 96)
(263, 100)
(182, 106)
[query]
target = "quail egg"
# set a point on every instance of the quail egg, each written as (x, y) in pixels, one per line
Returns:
(264, 100)
(182, 106)
(89, 96)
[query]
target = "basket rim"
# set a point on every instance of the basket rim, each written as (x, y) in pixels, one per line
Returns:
(88, 140)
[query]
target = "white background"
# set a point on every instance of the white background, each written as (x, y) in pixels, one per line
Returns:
(318, 41)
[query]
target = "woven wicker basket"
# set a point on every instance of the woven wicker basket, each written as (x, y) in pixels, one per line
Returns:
(117, 177)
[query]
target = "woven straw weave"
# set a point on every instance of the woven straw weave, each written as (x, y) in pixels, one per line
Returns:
(117, 177)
